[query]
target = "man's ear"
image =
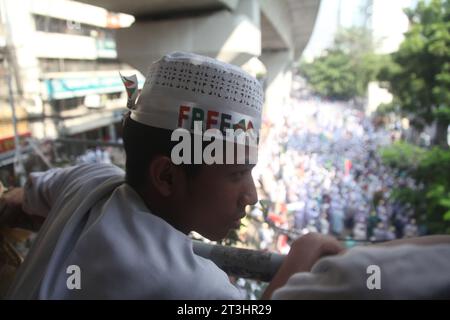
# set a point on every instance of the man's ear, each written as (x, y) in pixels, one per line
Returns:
(162, 175)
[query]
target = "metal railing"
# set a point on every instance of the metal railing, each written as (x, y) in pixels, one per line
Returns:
(242, 263)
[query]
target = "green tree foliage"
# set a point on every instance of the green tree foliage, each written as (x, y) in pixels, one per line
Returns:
(431, 171)
(345, 69)
(419, 78)
(419, 73)
(402, 156)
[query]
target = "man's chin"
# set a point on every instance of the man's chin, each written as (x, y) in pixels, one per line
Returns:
(217, 236)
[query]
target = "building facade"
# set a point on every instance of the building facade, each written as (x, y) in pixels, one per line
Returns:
(60, 72)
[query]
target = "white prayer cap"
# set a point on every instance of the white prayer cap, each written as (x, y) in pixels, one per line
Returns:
(181, 88)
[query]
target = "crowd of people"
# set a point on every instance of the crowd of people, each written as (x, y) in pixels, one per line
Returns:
(321, 170)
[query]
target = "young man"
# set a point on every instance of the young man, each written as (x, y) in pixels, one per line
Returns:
(110, 235)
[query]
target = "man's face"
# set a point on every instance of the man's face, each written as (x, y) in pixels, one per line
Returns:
(216, 198)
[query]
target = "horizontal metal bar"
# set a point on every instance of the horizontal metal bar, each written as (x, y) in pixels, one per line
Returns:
(242, 263)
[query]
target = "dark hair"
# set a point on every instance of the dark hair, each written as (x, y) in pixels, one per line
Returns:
(142, 143)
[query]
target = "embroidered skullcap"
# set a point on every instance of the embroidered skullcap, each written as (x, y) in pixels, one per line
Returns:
(181, 88)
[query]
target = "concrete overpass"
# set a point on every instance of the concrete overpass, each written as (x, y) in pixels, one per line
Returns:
(235, 31)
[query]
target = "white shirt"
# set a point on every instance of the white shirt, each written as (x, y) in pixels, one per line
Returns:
(405, 272)
(101, 225)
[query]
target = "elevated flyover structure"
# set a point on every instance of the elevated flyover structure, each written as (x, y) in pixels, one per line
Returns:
(235, 31)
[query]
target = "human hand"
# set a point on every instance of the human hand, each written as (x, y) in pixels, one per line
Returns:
(11, 205)
(308, 249)
(304, 253)
(12, 214)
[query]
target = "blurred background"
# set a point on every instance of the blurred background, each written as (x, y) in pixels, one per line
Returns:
(355, 136)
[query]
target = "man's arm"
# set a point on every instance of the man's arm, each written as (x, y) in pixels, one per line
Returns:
(310, 248)
(398, 263)
(43, 189)
(28, 207)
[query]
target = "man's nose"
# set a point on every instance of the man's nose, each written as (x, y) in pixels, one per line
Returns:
(249, 196)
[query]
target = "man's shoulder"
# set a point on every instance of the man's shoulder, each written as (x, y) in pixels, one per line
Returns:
(96, 168)
(91, 174)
